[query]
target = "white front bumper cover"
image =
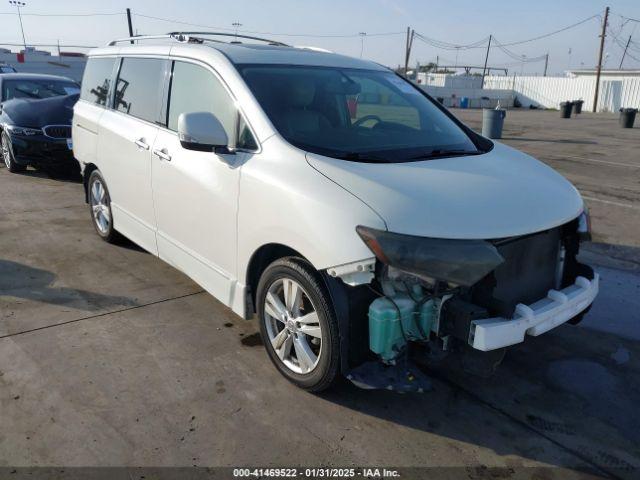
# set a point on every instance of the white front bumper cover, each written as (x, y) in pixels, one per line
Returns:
(558, 307)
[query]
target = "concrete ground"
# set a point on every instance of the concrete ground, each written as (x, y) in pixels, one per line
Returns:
(109, 357)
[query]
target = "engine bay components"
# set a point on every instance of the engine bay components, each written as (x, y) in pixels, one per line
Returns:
(396, 319)
(521, 286)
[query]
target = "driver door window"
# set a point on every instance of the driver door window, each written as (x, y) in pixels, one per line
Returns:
(196, 89)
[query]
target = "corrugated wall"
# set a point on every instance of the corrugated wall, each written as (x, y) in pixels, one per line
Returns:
(548, 92)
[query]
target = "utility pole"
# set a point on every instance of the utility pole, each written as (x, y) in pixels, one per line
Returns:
(437, 61)
(599, 69)
(130, 24)
(625, 52)
(18, 4)
(486, 59)
(546, 64)
(410, 33)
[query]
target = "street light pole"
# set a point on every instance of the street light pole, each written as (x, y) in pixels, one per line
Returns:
(362, 35)
(19, 4)
(237, 25)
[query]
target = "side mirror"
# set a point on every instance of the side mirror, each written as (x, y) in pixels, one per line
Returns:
(203, 132)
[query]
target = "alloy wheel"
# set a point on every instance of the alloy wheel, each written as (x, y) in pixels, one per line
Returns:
(100, 206)
(293, 326)
(6, 152)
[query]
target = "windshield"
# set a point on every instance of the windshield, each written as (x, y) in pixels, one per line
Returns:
(37, 88)
(360, 115)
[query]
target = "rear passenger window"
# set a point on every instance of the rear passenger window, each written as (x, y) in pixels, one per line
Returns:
(196, 89)
(138, 87)
(96, 80)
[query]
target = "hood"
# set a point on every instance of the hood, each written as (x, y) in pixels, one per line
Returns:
(36, 113)
(499, 194)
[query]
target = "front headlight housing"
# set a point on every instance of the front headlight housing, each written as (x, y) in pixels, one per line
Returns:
(457, 262)
(26, 131)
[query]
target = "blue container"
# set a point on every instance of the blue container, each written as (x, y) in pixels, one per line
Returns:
(464, 102)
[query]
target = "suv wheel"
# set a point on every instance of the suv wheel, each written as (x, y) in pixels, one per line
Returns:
(7, 155)
(100, 205)
(298, 324)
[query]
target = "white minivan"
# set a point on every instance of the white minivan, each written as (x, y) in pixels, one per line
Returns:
(353, 213)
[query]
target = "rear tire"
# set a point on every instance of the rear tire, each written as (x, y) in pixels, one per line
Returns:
(100, 208)
(8, 157)
(298, 324)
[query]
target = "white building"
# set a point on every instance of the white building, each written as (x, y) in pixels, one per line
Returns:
(604, 74)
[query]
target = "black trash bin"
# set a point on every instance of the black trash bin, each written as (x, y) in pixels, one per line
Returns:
(577, 106)
(627, 117)
(565, 109)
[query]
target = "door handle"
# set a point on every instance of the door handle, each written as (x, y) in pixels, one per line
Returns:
(162, 154)
(142, 144)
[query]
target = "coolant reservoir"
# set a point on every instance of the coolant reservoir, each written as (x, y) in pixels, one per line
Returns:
(385, 332)
(426, 315)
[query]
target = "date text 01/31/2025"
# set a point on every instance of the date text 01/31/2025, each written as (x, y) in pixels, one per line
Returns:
(315, 473)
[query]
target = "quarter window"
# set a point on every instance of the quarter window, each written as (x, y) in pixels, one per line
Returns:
(97, 80)
(138, 87)
(245, 137)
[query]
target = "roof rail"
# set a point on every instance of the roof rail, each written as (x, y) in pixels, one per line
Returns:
(195, 37)
(137, 37)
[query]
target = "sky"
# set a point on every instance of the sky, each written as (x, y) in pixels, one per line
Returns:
(336, 25)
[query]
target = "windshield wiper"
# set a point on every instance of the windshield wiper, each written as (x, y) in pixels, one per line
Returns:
(439, 153)
(362, 157)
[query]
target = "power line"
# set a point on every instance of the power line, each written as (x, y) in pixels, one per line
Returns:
(621, 43)
(515, 56)
(355, 35)
(481, 43)
(539, 37)
(628, 18)
(451, 46)
(64, 14)
(632, 43)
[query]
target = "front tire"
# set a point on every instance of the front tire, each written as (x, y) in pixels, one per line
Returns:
(8, 157)
(100, 208)
(298, 324)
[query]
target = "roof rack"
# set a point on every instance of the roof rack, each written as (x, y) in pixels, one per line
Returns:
(195, 37)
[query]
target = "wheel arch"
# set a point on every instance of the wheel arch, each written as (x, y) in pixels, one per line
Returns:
(350, 304)
(260, 260)
(88, 170)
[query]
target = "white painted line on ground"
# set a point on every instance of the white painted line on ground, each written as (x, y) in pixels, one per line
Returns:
(605, 162)
(609, 202)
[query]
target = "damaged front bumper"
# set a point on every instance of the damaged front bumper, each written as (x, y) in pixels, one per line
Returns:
(557, 308)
